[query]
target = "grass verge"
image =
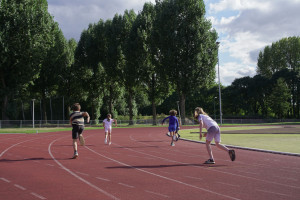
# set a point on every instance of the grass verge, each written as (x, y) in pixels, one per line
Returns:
(274, 142)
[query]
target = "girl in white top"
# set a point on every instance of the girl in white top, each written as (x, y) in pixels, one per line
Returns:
(107, 123)
(213, 132)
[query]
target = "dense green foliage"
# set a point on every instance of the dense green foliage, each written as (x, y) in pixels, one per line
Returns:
(135, 64)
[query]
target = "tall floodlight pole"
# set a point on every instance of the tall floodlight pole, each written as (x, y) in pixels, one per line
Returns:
(218, 44)
(33, 113)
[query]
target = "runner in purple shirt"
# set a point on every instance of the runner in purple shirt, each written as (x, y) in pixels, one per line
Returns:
(173, 125)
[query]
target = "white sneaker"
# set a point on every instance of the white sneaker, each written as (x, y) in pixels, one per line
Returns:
(172, 144)
(174, 137)
(105, 141)
(109, 143)
(75, 155)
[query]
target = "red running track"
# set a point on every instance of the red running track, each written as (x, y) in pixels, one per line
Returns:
(140, 164)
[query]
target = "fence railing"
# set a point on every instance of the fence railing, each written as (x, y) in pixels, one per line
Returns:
(94, 123)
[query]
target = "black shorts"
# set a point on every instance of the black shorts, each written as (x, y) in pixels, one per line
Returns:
(77, 130)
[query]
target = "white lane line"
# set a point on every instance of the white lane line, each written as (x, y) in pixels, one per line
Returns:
(160, 176)
(276, 193)
(19, 186)
(82, 173)
(194, 177)
(102, 179)
(161, 195)
(254, 173)
(228, 184)
(3, 152)
(37, 195)
(78, 177)
(130, 186)
(5, 180)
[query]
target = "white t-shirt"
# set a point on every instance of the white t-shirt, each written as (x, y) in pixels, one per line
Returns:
(107, 124)
(207, 121)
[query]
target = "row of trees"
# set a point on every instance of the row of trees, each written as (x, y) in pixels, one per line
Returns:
(135, 64)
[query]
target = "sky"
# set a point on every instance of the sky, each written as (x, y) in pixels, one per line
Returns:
(245, 27)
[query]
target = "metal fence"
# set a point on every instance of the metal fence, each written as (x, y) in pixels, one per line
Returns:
(94, 123)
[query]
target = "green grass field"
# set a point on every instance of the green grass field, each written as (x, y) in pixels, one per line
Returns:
(275, 142)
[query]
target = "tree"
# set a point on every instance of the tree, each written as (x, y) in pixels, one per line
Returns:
(187, 45)
(283, 54)
(25, 27)
(113, 63)
(54, 62)
(279, 98)
(65, 79)
(131, 70)
(88, 68)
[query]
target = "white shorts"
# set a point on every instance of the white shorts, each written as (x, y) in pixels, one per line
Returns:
(213, 133)
(107, 129)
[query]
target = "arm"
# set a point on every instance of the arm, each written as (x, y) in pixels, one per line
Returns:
(200, 127)
(85, 114)
(164, 120)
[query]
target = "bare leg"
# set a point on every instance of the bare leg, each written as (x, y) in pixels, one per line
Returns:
(109, 137)
(75, 144)
(172, 135)
(221, 146)
(209, 151)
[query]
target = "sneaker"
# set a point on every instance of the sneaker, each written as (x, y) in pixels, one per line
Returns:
(178, 136)
(81, 139)
(109, 143)
(174, 137)
(75, 155)
(209, 161)
(232, 155)
(105, 141)
(168, 134)
(172, 144)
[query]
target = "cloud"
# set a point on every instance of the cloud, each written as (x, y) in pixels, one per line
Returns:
(74, 16)
(252, 26)
(232, 70)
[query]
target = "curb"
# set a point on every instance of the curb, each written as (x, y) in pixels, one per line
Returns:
(249, 149)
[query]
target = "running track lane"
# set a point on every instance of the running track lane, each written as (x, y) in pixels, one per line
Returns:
(139, 164)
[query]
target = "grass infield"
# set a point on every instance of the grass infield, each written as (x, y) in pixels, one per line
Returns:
(274, 138)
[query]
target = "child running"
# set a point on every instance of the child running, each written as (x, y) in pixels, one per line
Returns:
(77, 122)
(107, 122)
(213, 132)
(173, 125)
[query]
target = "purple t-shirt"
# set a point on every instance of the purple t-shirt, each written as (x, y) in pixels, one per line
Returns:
(173, 121)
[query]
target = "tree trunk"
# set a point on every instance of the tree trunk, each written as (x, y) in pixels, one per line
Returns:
(182, 108)
(153, 99)
(154, 112)
(130, 107)
(5, 98)
(4, 106)
(44, 107)
(110, 99)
